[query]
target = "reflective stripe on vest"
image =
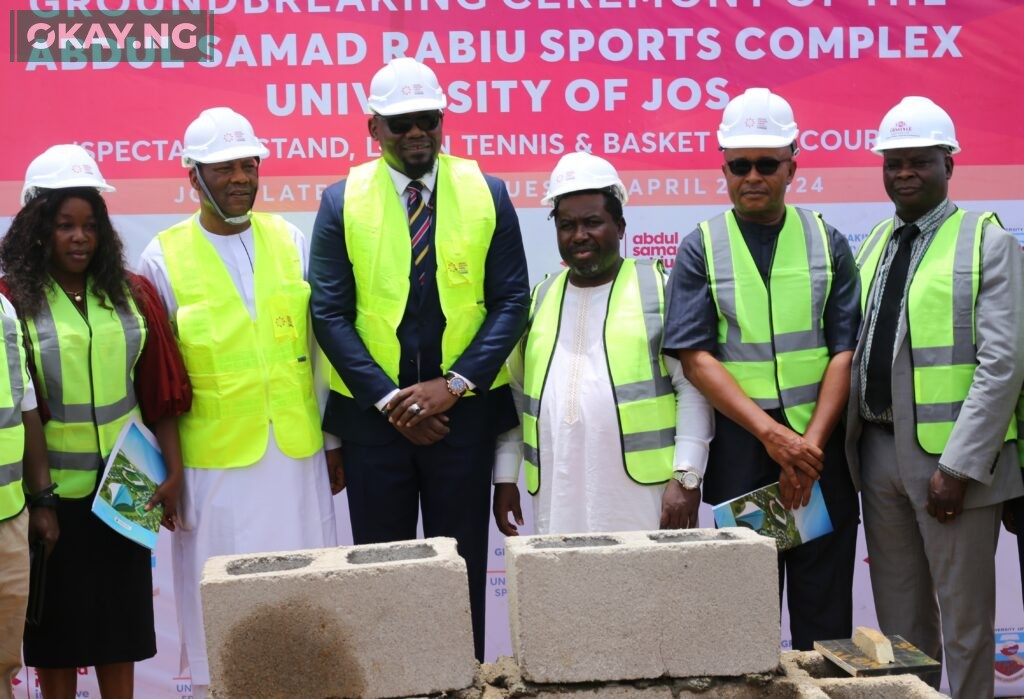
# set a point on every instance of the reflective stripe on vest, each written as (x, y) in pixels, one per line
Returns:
(940, 306)
(772, 340)
(868, 255)
(86, 366)
(246, 374)
(12, 432)
(644, 396)
(377, 239)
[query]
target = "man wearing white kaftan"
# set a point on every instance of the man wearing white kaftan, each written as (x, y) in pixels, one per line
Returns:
(585, 481)
(277, 504)
(585, 488)
(280, 502)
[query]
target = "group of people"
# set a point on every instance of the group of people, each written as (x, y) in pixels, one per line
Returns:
(769, 354)
(209, 347)
(774, 354)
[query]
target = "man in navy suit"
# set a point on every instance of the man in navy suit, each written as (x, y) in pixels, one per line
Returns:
(419, 293)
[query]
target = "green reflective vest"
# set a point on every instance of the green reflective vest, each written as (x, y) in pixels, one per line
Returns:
(12, 432)
(772, 339)
(940, 320)
(86, 367)
(377, 239)
(644, 397)
(246, 374)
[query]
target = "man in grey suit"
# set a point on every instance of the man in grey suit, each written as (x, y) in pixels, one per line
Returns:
(936, 376)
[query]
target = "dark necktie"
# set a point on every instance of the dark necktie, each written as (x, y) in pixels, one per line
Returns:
(878, 388)
(419, 225)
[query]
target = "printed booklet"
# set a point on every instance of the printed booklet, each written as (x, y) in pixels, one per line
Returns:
(762, 511)
(134, 471)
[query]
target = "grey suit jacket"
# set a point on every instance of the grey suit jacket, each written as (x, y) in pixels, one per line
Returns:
(975, 448)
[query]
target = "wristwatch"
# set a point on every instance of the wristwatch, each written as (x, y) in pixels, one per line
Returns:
(44, 498)
(456, 384)
(688, 479)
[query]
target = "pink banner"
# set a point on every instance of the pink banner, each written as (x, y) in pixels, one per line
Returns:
(642, 83)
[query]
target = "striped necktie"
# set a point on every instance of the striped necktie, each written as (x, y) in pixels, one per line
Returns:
(419, 225)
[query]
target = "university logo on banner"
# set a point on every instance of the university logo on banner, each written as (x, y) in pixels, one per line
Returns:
(1009, 664)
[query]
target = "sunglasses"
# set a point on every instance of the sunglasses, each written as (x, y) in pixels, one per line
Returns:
(764, 166)
(403, 123)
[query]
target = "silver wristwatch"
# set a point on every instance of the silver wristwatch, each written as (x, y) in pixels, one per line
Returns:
(688, 479)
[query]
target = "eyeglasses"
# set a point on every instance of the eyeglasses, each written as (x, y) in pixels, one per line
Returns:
(764, 166)
(403, 123)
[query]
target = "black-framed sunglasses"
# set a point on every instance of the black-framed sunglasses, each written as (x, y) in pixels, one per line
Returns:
(403, 123)
(764, 166)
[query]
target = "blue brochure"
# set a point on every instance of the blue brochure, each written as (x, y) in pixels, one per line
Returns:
(134, 471)
(762, 511)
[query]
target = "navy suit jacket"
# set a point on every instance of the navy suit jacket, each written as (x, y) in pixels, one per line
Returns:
(333, 307)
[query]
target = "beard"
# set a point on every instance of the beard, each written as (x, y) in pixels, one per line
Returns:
(418, 169)
(591, 268)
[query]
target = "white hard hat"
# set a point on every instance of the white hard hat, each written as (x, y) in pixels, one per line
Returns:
(913, 123)
(60, 167)
(404, 86)
(757, 119)
(220, 134)
(577, 172)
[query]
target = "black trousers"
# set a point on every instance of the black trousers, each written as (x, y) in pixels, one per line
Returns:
(389, 485)
(819, 575)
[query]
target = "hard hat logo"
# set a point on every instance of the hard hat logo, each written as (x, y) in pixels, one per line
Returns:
(900, 128)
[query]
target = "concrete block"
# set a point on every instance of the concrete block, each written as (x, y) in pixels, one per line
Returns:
(806, 664)
(641, 605)
(885, 687)
(383, 620)
(811, 669)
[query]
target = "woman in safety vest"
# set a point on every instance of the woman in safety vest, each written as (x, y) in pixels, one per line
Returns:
(100, 351)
